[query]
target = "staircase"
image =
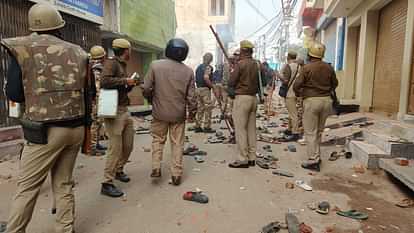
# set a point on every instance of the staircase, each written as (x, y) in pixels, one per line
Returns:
(382, 142)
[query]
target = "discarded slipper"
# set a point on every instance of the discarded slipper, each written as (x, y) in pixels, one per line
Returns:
(291, 148)
(405, 203)
(280, 172)
(323, 207)
(195, 197)
(334, 156)
(272, 227)
(353, 214)
(3, 227)
(197, 152)
(199, 159)
(348, 155)
(303, 185)
(303, 228)
(262, 163)
(292, 223)
(190, 148)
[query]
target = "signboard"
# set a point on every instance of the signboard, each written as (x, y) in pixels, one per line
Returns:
(91, 10)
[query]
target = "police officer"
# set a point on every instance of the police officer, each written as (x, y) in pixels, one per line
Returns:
(47, 75)
(244, 80)
(315, 84)
(170, 85)
(289, 74)
(204, 77)
(120, 130)
(97, 58)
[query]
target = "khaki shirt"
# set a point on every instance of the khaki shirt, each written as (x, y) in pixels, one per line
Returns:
(115, 77)
(245, 77)
(171, 85)
(317, 79)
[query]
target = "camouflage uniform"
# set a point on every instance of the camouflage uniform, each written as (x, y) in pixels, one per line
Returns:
(53, 75)
(97, 123)
(205, 105)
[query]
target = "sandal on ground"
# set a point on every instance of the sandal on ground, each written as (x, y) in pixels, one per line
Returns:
(272, 227)
(197, 152)
(280, 172)
(198, 159)
(334, 156)
(195, 197)
(323, 207)
(405, 203)
(303, 228)
(262, 163)
(303, 185)
(239, 164)
(353, 214)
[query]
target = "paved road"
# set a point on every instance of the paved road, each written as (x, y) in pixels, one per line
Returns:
(241, 201)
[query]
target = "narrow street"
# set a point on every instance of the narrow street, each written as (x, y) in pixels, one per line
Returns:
(241, 200)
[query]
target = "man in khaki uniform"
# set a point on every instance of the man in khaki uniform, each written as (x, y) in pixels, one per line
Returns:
(120, 129)
(244, 80)
(97, 58)
(205, 105)
(170, 85)
(315, 84)
(54, 117)
(289, 74)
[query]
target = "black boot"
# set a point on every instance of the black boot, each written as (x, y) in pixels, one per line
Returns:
(111, 190)
(314, 165)
(176, 180)
(156, 173)
(121, 176)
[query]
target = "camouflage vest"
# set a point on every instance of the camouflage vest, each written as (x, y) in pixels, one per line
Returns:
(53, 74)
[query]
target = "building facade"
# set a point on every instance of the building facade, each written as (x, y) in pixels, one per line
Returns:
(194, 19)
(374, 47)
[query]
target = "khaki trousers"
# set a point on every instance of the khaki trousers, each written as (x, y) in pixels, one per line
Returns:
(244, 117)
(204, 107)
(176, 131)
(121, 142)
(58, 157)
(316, 111)
(293, 114)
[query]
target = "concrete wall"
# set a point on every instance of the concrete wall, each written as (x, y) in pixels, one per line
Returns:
(193, 26)
(149, 21)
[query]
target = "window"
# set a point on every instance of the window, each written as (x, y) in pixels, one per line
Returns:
(216, 7)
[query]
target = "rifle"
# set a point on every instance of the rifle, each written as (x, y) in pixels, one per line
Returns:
(229, 122)
(87, 140)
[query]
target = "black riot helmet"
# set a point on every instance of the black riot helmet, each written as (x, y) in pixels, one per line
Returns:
(177, 49)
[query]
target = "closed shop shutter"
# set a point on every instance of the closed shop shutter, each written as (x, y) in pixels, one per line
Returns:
(330, 43)
(411, 100)
(390, 49)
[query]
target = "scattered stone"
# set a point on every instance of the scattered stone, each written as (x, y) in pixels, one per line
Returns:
(242, 188)
(290, 185)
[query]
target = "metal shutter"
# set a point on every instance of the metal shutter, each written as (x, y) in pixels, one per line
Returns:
(330, 43)
(390, 49)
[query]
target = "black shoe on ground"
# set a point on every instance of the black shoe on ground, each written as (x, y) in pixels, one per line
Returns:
(176, 180)
(156, 173)
(209, 130)
(312, 165)
(239, 164)
(111, 190)
(121, 176)
(290, 138)
(101, 147)
(198, 130)
(252, 163)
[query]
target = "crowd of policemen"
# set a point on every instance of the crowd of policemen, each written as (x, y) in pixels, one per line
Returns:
(59, 85)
